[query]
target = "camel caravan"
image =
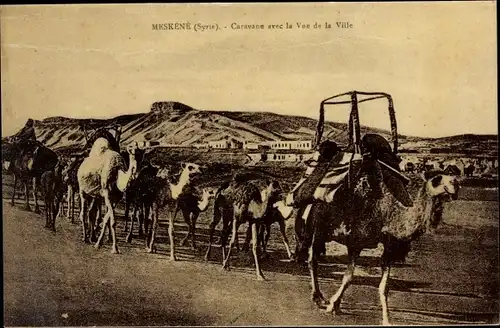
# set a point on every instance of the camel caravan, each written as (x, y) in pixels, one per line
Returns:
(357, 195)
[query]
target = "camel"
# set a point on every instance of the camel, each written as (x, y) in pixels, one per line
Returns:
(166, 195)
(51, 185)
(29, 166)
(191, 205)
(279, 213)
(70, 179)
(367, 212)
(102, 174)
(132, 194)
(238, 202)
(140, 196)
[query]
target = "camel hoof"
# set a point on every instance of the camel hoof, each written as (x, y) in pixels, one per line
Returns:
(115, 251)
(320, 301)
(173, 258)
(97, 246)
(386, 323)
(260, 277)
(334, 308)
(183, 242)
(151, 250)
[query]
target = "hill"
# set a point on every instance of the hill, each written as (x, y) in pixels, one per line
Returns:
(174, 123)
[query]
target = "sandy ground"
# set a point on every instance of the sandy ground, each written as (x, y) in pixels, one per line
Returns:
(451, 277)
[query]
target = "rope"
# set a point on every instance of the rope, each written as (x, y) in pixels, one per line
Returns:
(320, 127)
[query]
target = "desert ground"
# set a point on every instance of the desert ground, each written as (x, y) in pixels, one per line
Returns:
(54, 279)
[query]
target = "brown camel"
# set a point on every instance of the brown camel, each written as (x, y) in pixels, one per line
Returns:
(29, 165)
(278, 213)
(70, 180)
(166, 196)
(368, 212)
(102, 174)
(191, 204)
(238, 202)
(139, 196)
(51, 186)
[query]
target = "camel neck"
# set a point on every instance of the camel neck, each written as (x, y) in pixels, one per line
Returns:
(203, 202)
(177, 188)
(124, 178)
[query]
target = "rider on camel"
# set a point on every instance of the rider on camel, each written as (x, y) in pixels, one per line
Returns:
(26, 138)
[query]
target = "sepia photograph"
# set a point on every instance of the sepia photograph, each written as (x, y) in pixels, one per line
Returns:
(250, 164)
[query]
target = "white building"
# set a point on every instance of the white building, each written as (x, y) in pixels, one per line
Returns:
(291, 144)
(251, 145)
(226, 143)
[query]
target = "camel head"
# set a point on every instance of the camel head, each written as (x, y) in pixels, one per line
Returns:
(273, 190)
(163, 172)
(441, 185)
(208, 193)
(191, 169)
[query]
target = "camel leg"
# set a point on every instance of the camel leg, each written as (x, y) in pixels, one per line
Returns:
(72, 200)
(129, 235)
(68, 201)
(83, 209)
(152, 232)
(194, 218)
(265, 239)
(260, 276)
(112, 222)
(14, 192)
(285, 239)
(103, 229)
(186, 214)
(383, 291)
(213, 224)
(140, 218)
(234, 236)
(35, 191)
(26, 190)
(94, 218)
(47, 211)
(127, 207)
(171, 233)
(346, 281)
(248, 238)
(57, 209)
(147, 212)
(312, 263)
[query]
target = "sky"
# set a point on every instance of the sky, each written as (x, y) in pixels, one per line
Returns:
(436, 59)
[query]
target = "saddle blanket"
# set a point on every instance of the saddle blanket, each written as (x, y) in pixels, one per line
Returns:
(328, 186)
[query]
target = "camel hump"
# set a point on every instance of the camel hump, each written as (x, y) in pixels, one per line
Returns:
(100, 146)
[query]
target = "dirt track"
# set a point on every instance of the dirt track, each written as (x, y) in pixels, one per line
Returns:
(54, 279)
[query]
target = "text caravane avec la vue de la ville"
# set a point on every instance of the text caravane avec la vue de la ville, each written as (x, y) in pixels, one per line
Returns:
(202, 27)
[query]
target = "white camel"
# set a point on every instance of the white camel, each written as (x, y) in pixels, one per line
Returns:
(102, 174)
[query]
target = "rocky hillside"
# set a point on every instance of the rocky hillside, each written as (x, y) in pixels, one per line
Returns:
(174, 123)
(178, 124)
